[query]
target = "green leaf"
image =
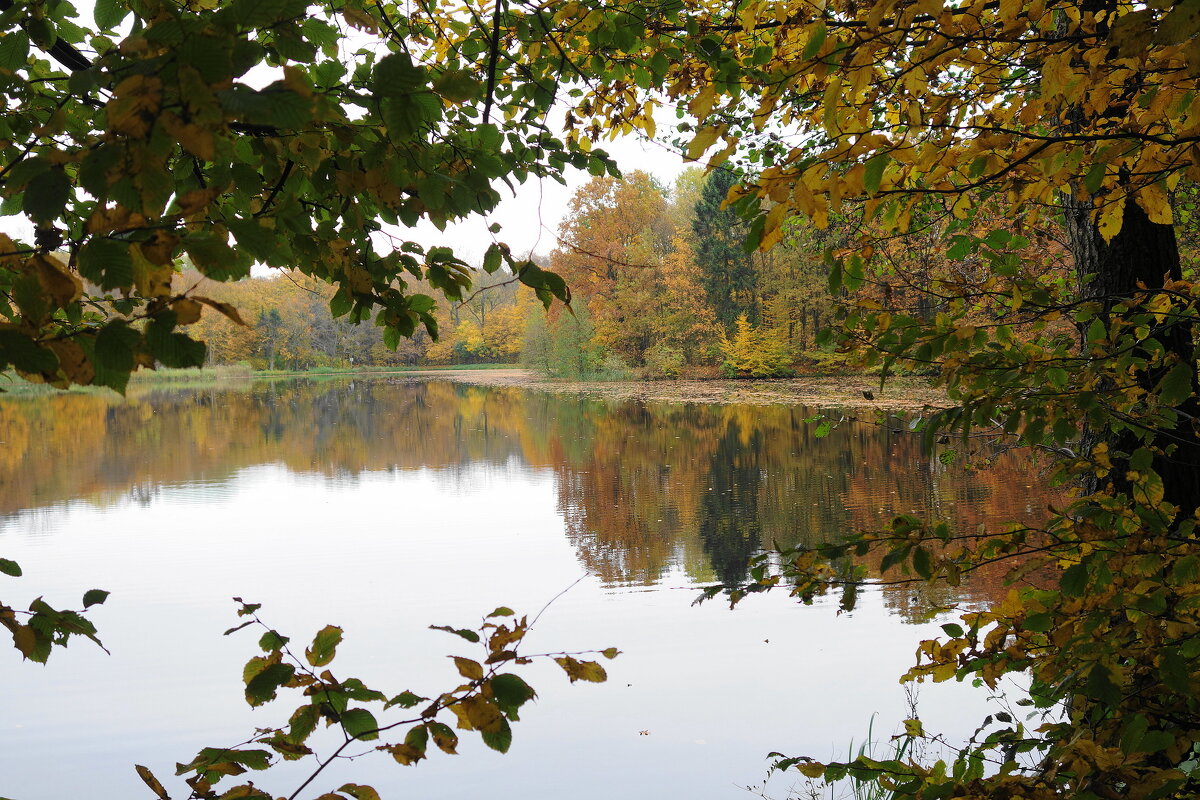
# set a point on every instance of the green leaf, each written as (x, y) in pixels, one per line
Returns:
(1099, 685)
(510, 693)
(46, 195)
(113, 354)
(253, 759)
(106, 263)
(1176, 386)
(417, 738)
(94, 597)
(1154, 741)
(405, 700)
(1094, 179)
(359, 792)
(813, 46)
(341, 303)
(465, 633)
(1175, 671)
(257, 13)
(109, 13)
(499, 740)
(10, 567)
(874, 172)
(1074, 580)
(14, 50)
(1038, 623)
(262, 243)
(395, 75)
(263, 686)
(922, 562)
(953, 630)
(274, 106)
(302, 723)
(22, 352)
(173, 349)
(271, 640)
(492, 258)
(457, 85)
(360, 724)
(324, 646)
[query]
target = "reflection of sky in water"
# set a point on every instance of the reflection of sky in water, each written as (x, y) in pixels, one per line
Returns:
(384, 556)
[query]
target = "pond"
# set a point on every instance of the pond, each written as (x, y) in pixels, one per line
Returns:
(388, 505)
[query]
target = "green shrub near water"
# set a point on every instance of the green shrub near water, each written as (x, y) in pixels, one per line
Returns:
(664, 362)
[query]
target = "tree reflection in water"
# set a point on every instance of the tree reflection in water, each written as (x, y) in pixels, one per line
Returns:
(644, 488)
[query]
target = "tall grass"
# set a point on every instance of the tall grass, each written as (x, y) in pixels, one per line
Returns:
(191, 374)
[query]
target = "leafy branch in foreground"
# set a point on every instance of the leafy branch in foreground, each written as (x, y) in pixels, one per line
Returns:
(486, 701)
(37, 631)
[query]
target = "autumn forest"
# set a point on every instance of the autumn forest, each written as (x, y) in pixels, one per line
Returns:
(993, 201)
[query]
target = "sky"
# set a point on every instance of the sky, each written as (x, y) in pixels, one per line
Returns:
(529, 218)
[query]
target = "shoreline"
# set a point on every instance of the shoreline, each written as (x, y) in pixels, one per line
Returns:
(857, 392)
(905, 394)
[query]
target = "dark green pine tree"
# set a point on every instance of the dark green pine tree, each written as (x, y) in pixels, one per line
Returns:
(727, 272)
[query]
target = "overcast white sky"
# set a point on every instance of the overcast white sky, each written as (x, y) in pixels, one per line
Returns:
(529, 220)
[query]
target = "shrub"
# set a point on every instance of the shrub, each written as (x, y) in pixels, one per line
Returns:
(663, 362)
(754, 353)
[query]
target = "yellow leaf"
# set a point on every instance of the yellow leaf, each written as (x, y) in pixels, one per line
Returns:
(360, 19)
(148, 778)
(1159, 305)
(197, 140)
(7, 250)
(134, 105)
(57, 281)
(360, 792)
(25, 640)
(151, 280)
(811, 769)
(358, 279)
(944, 672)
(73, 361)
(186, 311)
(484, 716)
(1111, 215)
(702, 104)
(405, 754)
(471, 670)
(582, 670)
(197, 200)
(243, 792)
(704, 139)
(224, 308)
(1153, 200)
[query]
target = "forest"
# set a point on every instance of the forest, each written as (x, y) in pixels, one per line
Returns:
(661, 284)
(997, 196)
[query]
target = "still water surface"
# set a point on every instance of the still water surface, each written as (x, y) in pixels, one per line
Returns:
(387, 505)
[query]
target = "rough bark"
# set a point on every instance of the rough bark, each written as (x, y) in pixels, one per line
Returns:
(1143, 255)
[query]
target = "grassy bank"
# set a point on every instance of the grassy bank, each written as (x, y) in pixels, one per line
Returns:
(14, 385)
(318, 371)
(858, 391)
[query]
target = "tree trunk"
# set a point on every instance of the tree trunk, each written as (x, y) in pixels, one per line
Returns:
(1143, 255)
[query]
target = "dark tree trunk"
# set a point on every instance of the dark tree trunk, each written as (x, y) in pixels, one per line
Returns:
(1143, 255)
